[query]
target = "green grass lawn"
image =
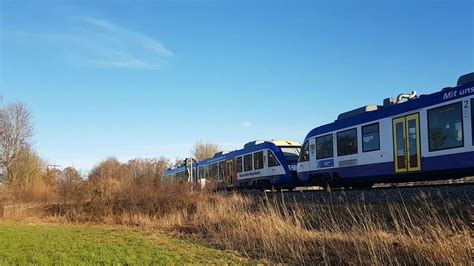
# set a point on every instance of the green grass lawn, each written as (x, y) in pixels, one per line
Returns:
(71, 244)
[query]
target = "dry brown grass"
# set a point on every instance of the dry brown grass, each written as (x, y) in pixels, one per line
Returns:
(278, 231)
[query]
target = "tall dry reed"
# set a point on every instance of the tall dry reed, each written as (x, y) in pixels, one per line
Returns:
(278, 230)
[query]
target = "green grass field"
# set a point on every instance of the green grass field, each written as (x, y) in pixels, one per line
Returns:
(70, 244)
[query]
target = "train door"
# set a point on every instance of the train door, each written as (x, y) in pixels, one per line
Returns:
(406, 143)
(229, 173)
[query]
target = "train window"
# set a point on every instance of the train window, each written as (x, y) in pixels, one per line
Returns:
(214, 170)
(324, 147)
(272, 160)
(347, 142)
(201, 172)
(248, 162)
(239, 164)
(221, 170)
(207, 171)
(370, 138)
(304, 154)
(445, 127)
(258, 160)
(291, 153)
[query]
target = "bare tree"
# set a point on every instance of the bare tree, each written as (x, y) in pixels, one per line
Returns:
(71, 187)
(202, 151)
(147, 171)
(16, 130)
(27, 170)
(107, 176)
(71, 174)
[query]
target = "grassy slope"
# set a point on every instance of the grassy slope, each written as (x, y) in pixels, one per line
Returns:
(67, 244)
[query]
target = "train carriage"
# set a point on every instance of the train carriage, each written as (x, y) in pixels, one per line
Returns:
(259, 165)
(267, 164)
(214, 171)
(419, 138)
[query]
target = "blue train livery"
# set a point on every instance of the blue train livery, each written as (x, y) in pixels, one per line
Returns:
(259, 165)
(408, 138)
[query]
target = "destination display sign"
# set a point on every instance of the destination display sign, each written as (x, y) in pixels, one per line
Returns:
(326, 163)
(250, 174)
(458, 93)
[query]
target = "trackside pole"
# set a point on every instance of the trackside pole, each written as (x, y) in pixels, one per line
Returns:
(189, 164)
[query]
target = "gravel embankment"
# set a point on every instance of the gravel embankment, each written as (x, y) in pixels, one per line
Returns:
(455, 193)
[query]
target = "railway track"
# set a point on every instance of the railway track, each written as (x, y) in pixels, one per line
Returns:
(395, 186)
(459, 193)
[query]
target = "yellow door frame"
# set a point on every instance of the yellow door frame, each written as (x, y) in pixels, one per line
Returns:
(396, 121)
(406, 142)
(415, 117)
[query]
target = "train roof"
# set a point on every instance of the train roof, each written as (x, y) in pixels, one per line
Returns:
(250, 147)
(275, 142)
(175, 170)
(465, 87)
(225, 155)
(285, 142)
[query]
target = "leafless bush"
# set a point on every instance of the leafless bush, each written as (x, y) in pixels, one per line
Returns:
(107, 177)
(71, 187)
(131, 200)
(29, 178)
(147, 171)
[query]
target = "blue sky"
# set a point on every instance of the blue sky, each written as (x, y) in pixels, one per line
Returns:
(150, 78)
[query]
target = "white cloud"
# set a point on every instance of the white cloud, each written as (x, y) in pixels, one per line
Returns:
(246, 124)
(120, 60)
(131, 63)
(129, 36)
(156, 47)
(100, 23)
(96, 42)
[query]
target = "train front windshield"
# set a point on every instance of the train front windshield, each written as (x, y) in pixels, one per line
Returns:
(291, 154)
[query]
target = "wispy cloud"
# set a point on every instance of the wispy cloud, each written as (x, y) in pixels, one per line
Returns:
(96, 42)
(128, 35)
(100, 23)
(119, 60)
(246, 124)
(156, 47)
(130, 63)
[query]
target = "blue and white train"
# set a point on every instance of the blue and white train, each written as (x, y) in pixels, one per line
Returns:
(259, 165)
(408, 138)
